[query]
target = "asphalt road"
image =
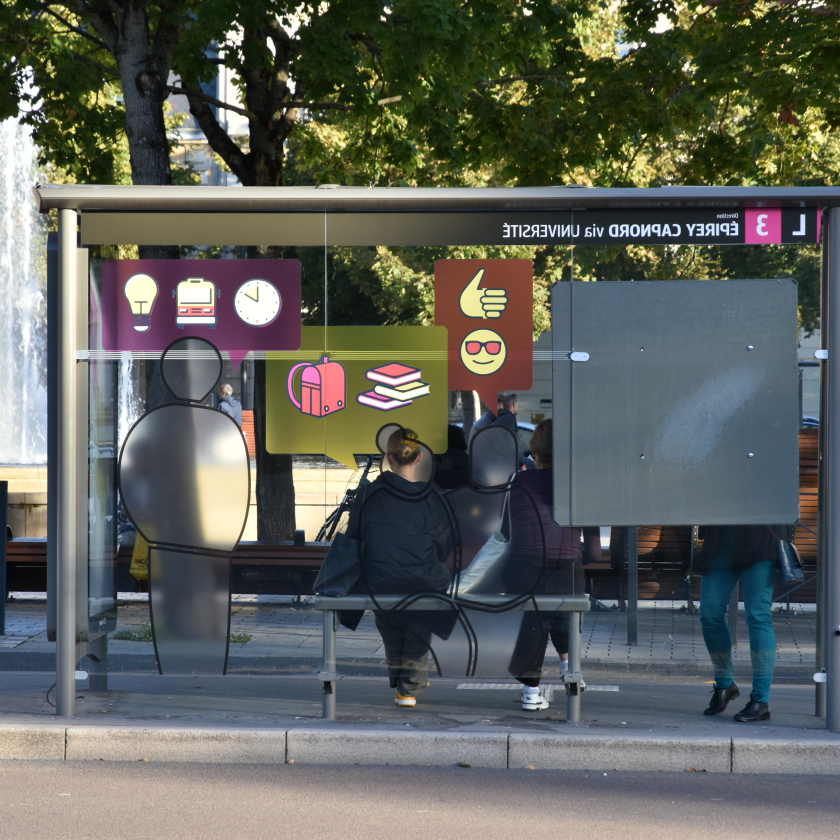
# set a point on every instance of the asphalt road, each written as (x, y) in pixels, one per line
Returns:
(146, 801)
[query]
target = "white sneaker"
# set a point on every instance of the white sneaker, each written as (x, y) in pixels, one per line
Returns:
(533, 701)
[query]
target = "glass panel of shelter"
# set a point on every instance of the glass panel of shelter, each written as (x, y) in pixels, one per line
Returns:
(471, 624)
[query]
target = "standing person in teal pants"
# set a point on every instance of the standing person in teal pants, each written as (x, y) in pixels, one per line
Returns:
(748, 553)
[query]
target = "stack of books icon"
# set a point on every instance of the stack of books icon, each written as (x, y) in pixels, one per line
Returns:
(396, 385)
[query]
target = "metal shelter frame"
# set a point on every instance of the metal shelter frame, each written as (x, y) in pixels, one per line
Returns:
(297, 216)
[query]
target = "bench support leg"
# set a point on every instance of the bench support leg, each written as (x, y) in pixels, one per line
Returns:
(329, 665)
(573, 689)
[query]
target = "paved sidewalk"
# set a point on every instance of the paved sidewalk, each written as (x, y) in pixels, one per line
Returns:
(286, 638)
(643, 709)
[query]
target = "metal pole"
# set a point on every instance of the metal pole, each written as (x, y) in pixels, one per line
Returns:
(4, 512)
(632, 585)
(823, 524)
(573, 689)
(832, 473)
(329, 665)
(65, 660)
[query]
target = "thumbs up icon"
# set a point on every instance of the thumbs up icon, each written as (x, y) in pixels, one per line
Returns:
(482, 303)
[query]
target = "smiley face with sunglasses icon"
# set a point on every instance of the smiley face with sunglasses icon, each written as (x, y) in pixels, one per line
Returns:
(483, 352)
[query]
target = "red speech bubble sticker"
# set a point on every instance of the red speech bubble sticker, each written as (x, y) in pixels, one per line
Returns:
(487, 306)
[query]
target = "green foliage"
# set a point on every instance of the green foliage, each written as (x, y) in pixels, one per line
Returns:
(142, 634)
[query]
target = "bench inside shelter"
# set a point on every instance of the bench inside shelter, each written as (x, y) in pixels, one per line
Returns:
(573, 606)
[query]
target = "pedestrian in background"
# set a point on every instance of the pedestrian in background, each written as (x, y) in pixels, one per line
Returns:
(747, 553)
(544, 560)
(229, 404)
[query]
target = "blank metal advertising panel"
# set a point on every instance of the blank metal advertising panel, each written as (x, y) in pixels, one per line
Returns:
(675, 403)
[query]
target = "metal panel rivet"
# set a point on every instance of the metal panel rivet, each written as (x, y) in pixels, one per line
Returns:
(749, 347)
(643, 457)
(750, 455)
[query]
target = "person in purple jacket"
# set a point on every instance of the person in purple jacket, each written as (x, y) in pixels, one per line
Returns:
(544, 560)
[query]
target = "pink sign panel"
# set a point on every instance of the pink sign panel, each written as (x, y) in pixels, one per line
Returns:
(238, 305)
(763, 227)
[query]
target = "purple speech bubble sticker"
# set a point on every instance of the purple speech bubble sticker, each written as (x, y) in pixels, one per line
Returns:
(238, 305)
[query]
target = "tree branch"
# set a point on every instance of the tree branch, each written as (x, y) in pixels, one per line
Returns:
(101, 67)
(337, 106)
(198, 94)
(533, 78)
(77, 29)
(217, 137)
(100, 15)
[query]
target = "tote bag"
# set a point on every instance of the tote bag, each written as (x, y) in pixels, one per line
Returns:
(341, 567)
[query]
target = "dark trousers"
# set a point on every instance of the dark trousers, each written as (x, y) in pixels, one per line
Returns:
(537, 628)
(407, 645)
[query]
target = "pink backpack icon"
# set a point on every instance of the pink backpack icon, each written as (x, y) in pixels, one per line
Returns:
(321, 388)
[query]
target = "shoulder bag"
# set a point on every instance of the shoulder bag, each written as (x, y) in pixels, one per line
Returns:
(341, 567)
(788, 561)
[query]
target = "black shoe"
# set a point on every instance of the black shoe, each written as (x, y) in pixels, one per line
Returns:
(720, 699)
(753, 711)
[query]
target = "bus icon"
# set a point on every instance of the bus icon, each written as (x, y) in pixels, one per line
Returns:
(196, 302)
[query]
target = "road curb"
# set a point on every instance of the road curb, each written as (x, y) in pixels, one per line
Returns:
(32, 742)
(794, 756)
(326, 745)
(222, 746)
(625, 752)
(344, 746)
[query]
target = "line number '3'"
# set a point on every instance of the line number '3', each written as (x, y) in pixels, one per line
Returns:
(761, 225)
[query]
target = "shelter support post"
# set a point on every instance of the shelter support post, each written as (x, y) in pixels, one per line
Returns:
(823, 525)
(328, 676)
(832, 475)
(67, 466)
(632, 585)
(574, 683)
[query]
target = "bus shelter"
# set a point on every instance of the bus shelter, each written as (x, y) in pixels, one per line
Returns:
(673, 403)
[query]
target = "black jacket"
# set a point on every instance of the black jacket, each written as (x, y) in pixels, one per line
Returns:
(406, 535)
(738, 546)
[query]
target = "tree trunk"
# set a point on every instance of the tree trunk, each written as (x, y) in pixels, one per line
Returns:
(143, 74)
(275, 485)
(143, 94)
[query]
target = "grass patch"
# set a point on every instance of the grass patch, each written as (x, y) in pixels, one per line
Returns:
(144, 634)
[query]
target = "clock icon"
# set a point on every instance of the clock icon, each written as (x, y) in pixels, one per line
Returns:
(257, 302)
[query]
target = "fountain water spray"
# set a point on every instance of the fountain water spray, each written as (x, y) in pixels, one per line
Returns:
(23, 316)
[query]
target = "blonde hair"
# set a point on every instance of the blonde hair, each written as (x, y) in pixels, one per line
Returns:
(403, 447)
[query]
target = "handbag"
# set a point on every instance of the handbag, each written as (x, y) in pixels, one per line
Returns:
(484, 575)
(341, 567)
(789, 563)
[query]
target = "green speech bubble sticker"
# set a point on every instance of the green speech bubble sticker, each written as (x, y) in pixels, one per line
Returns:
(345, 383)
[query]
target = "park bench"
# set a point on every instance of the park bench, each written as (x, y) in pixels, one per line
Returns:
(258, 567)
(573, 605)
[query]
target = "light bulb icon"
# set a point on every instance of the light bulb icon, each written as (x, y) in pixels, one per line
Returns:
(141, 291)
